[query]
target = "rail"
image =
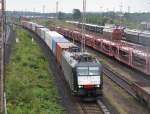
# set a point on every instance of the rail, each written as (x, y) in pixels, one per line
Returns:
(104, 109)
(94, 108)
(124, 84)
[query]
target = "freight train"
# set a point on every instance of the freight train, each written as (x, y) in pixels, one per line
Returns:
(82, 71)
(129, 35)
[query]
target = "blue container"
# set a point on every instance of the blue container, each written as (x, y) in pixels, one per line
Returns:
(57, 40)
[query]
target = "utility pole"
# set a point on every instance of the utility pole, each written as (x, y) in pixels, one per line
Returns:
(57, 8)
(121, 7)
(43, 10)
(129, 9)
(83, 25)
(2, 44)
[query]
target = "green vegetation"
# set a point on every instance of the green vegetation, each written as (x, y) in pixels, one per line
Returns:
(29, 82)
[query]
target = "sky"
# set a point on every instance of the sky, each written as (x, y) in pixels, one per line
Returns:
(68, 5)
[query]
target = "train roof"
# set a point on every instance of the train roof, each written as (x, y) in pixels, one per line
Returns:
(40, 26)
(54, 34)
(76, 58)
(44, 29)
(88, 24)
(93, 25)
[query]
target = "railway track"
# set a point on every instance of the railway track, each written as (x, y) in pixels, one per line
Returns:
(93, 108)
(116, 78)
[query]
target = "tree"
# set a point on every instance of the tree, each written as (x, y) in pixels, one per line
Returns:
(76, 14)
(61, 15)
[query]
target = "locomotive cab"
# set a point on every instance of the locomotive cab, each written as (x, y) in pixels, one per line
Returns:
(83, 72)
(88, 76)
(89, 79)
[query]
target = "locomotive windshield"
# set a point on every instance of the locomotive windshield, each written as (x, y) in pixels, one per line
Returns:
(88, 71)
(94, 71)
(82, 71)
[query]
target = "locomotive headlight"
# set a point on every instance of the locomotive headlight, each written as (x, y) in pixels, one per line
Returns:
(98, 86)
(80, 86)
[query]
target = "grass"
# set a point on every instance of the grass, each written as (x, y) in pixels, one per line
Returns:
(29, 83)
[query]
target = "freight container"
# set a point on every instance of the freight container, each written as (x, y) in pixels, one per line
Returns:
(144, 38)
(60, 48)
(29, 25)
(50, 35)
(42, 32)
(33, 26)
(57, 40)
(39, 31)
(38, 26)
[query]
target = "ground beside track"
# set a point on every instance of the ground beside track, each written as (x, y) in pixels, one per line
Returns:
(122, 101)
(29, 83)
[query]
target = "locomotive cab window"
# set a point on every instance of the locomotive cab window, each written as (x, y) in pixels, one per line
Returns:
(82, 71)
(93, 71)
(88, 71)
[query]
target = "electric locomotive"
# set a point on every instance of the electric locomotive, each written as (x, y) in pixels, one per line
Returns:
(83, 72)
